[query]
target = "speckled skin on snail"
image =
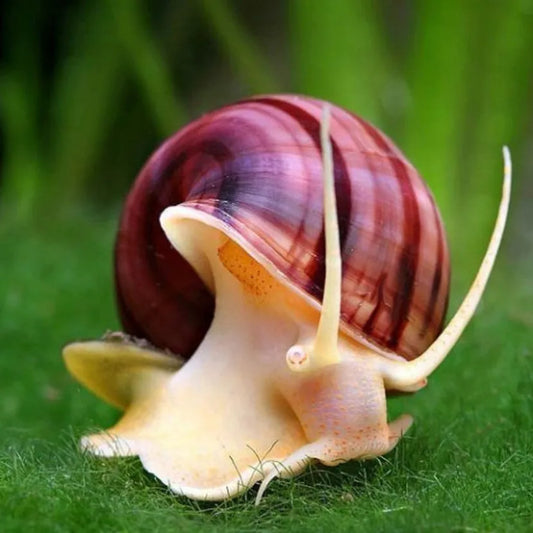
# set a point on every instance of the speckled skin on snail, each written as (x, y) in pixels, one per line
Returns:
(285, 266)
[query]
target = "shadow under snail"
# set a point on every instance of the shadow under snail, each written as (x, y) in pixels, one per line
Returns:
(285, 267)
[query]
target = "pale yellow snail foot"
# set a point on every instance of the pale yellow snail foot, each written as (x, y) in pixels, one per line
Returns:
(201, 439)
(121, 370)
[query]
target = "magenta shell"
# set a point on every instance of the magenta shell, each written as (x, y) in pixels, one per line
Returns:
(256, 166)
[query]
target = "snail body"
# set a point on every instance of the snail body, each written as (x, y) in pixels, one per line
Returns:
(287, 268)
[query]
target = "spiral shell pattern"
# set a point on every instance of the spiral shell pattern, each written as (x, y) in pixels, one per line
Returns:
(256, 167)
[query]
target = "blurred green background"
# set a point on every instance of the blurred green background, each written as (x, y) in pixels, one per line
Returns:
(89, 89)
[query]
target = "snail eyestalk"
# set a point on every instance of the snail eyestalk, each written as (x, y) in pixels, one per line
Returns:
(402, 374)
(323, 349)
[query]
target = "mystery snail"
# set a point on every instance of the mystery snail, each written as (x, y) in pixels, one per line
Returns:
(285, 266)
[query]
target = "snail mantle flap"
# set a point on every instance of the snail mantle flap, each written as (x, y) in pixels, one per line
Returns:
(278, 380)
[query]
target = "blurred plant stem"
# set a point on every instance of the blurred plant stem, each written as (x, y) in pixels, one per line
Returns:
(337, 52)
(21, 111)
(436, 74)
(147, 64)
(470, 74)
(241, 48)
(102, 42)
(85, 96)
(22, 166)
(502, 65)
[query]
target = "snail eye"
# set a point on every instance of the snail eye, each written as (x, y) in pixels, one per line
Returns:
(296, 356)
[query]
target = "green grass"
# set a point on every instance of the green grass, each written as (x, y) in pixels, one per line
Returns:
(466, 466)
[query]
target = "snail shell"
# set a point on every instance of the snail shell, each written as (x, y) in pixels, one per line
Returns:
(256, 168)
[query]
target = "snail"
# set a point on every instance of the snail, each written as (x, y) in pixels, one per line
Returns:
(280, 268)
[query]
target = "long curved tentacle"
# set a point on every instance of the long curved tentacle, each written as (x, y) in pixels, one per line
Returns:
(399, 374)
(323, 350)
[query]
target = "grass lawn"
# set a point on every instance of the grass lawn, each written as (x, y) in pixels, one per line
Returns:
(467, 465)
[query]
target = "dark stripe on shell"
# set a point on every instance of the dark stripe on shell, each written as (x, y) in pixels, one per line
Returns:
(429, 315)
(130, 324)
(408, 263)
(165, 184)
(446, 279)
(369, 324)
(343, 193)
(379, 222)
(230, 183)
(409, 256)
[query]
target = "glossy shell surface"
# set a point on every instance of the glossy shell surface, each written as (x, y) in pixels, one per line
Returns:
(256, 167)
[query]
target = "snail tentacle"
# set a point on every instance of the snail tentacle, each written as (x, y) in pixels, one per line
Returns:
(399, 374)
(323, 350)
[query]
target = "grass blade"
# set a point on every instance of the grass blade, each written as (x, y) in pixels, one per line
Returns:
(436, 77)
(500, 97)
(86, 92)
